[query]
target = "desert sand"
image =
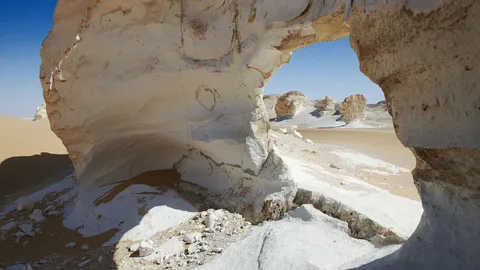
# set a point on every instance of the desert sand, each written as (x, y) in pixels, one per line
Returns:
(31, 157)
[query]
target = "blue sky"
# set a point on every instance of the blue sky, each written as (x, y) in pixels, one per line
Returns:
(329, 68)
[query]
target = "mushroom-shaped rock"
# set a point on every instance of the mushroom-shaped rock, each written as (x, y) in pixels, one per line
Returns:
(353, 108)
(327, 104)
(289, 103)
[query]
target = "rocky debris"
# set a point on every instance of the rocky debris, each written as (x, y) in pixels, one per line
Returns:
(19, 267)
(192, 238)
(71, 244)
(292, 130)
(37, 215)
(214, 218)
(25, 205)
(84, 247)
(289, 103)
(193, 243)
(270, 101)
(308, 141)
(145, 248)
(353, 108)
(27, 228)
(40, 112)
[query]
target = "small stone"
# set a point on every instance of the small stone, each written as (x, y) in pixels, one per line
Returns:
(37, 215)
(214, 218)
(204, 248)
(100, 259)
(38, 230)
(82, 264)
(182, 232)
(145, 248)
(10, 225)
(217, 250)
(309, 141)
(25, 205)
(85, 247)
(283, 130)
(247, 223)
(71, 244)
(49, 208)
(192, 238)
(192, 249)
(27, 228)
(19, 234)
(203, 214)
(42, 261)
(19, 267)
(54, 213)
(134, 247)
(208, 230)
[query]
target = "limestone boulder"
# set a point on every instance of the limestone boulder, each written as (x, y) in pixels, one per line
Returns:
(353, 108)
(289, 103)
(40, 112)
(270, 102)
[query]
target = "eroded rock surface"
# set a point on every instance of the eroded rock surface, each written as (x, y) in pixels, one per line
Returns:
(138, 86)
(289, 103)
(40, 112)
(270, 102)
(353, 108)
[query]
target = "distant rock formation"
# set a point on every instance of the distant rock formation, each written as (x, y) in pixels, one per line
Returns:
(289, 103)
(326, 105)
(41, 112)
(270, 101)
(353, 107)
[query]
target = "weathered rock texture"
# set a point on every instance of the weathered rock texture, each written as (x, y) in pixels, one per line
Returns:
(353, 108)
(326, 104)
(270, 102)
(134, 86)
(289, 103)
(40, 112)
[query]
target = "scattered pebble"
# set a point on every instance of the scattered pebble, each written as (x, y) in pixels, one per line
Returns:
(25, 205)
(145, 248)
(19, 234)
(217, 250)
(85, 247)
(71, 244)
(37, 215)
(192, 238)
(19, 267)
(134, 247)
(82, 264)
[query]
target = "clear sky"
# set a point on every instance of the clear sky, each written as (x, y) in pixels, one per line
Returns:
(329, 68)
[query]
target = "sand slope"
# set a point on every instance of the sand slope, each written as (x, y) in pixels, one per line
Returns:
(31, 157)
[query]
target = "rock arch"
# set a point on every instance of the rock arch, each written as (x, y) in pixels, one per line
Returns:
(157, 84)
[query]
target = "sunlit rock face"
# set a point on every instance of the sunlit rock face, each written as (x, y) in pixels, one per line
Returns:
(353, 107)
(142, 85)
(290, 103)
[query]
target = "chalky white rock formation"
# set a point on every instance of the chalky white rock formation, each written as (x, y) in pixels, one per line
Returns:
(40, 112)
(134, 86)
(353, 108)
